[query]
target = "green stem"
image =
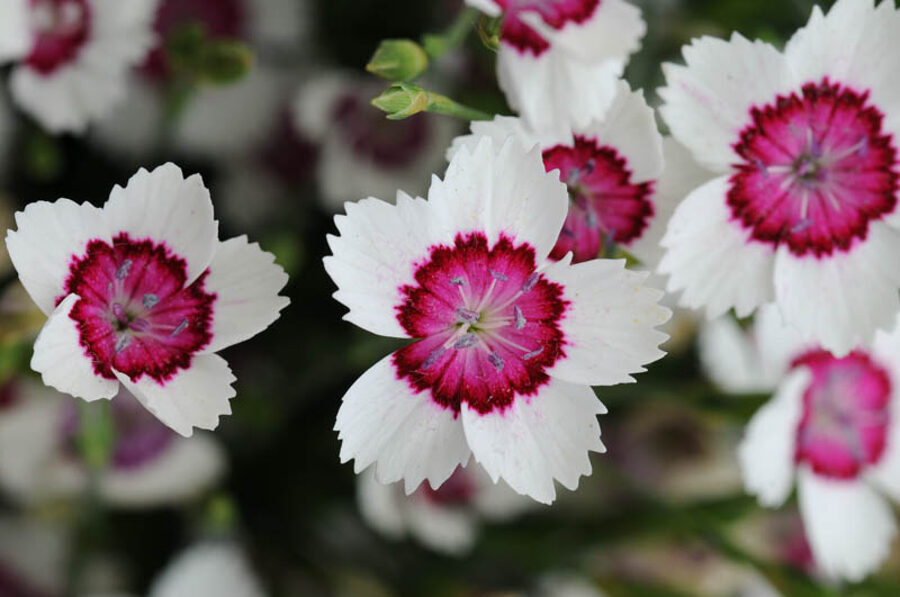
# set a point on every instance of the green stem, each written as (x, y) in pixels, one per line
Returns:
(438, 45)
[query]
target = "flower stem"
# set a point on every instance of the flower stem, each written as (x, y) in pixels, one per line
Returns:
(436, 45)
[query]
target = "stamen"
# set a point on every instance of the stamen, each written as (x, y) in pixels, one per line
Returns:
(433, 358)
(457, 281)
(466, 341)
(150, 300)
(122, 343)
(180, 328)
(119, 313)
(592, 220)
(496, 361)
(530, 355)
(467, 315)
(802, 225)
(139, 325)
(520, 318)
(123, 270)
(499, 276)
(530, 282)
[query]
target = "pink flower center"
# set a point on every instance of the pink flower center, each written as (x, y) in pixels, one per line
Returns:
(60, 29)
(605, 207)
(817, 169)
(457, 491)
(487, 323)
(556, 13)
(135, 314)
(139, 437)
(845, 414)
(385, 143)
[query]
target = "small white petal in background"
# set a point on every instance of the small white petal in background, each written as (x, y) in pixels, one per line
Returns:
(150, 465)
(33, 557)
(209, 570)
(361, 153)
(74, 69)
(446, 519)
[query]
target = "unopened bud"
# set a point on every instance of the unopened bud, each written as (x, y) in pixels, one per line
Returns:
(402, 100)
(398, 60)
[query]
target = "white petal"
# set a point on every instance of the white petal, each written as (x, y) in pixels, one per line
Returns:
(249, 106)
(554, 90)
(629, 126)
(730, 358)
(851, 46)
(708, 102)
(500, 129)
(840, 300)
(381, 506)
(246, 281)
(609, 324)
(312, 111)
(29, 442)
(15, 38)
(886, 472)
(194, 397)
(48, 237)
(497, 502)
(345, 175)
(452, 531)
(405, 434)
(206, 570)
(613, 32)
(489, 7)
(63, 362)
(167, 208)
(766, 453)
(681, 174)
(849, 526)
(187, 468)
(538, 439)
(375, 257)
(777, 343)
(711, 258)
(501, 190)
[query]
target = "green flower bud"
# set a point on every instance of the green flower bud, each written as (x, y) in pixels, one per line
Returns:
(398, 60)
(402, 100)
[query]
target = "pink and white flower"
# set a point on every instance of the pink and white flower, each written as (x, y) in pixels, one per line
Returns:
(149, 464)
(834, 425)
(361, 153)
(804, 142)
(208, 569)
(610, 167)
(506, 341)
(446, 519)
(73, 56)
(559, 60)
(142, 293)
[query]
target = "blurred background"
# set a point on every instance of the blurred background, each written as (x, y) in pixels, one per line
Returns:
(262, 506)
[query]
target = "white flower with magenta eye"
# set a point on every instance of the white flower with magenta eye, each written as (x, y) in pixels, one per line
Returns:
(559, 60)
(833, 425)
(804, 211)
(143, 293)
(506, 341)
(73, 56)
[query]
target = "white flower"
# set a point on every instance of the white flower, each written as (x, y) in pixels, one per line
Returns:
(149, 464)
(506, 341)
(33, 557)
(559, 60)
(73, 56)
(804, 211)
(208, 570)
(361, 153)
(445, 519)
(834, 425)
(143, 293)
